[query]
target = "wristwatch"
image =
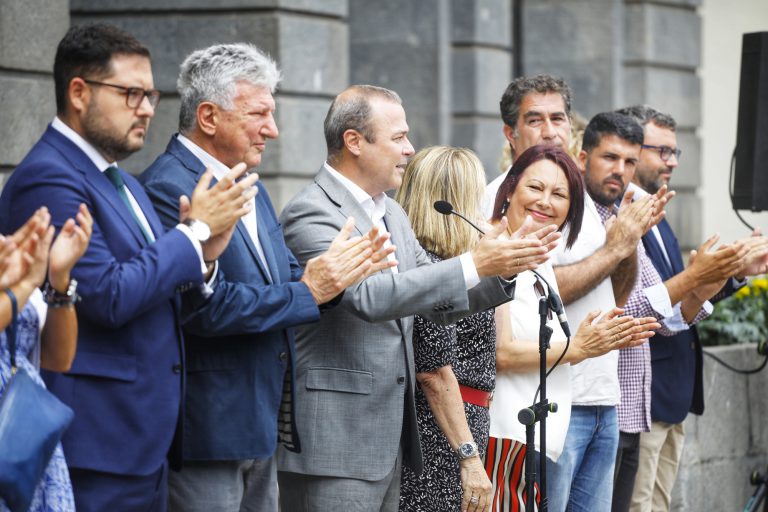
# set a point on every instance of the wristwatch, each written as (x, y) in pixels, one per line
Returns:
(200, 229)
(467, 450)
(56, 299)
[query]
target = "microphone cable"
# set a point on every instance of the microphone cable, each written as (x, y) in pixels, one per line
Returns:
(762, 349)
(567, 338)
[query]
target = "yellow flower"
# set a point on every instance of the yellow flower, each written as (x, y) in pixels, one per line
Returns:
(760, 283)
(743, 292)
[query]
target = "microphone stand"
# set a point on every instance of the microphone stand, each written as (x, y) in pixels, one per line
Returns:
(538, 412)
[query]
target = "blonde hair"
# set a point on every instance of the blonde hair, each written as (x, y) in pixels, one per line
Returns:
(443, 173)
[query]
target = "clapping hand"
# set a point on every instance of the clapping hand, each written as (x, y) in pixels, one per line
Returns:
(612, 331)
(347, 261)
(220, 206)
(499, 255)
(16, 250)
(68, 247)
(756, 260)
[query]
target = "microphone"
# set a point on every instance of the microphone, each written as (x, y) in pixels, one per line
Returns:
(553, 299)
(446, 208)
(556, 305)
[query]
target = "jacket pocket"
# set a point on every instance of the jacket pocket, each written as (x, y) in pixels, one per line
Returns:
(111, 366)
(340, 379)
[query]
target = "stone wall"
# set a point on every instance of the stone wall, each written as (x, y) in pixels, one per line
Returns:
(450, 60)
(308, 39)
(29, 33)
(730, 440)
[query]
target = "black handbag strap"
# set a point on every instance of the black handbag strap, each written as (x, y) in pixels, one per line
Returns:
(10, 331)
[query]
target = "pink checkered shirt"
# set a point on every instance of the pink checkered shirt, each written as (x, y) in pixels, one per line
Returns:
(634, 410)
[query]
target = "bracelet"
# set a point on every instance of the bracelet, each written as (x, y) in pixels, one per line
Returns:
(56, 299)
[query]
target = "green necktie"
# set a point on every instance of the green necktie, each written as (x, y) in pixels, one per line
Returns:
(114, 177)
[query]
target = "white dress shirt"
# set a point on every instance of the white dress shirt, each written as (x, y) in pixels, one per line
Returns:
(376, 207)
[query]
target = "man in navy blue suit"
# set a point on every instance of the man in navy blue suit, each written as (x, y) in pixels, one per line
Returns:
(126, 382)
(676, 360)
(240, 345)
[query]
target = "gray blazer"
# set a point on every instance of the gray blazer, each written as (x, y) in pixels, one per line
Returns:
(354, 369)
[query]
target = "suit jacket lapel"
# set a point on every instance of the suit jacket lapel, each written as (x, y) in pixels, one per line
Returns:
(344, 200)
(197, 168)
(656, 255)
(264, 240)
(145, 204)
(397, 229)
(103, 186)
(96, 178)
(670, 243)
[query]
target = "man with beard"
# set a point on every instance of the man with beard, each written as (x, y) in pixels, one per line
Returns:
(125, 385)
(651, 437)
(609, 157)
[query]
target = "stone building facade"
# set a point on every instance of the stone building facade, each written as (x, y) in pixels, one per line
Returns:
(450, 60)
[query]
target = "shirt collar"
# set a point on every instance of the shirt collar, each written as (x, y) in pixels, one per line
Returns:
(375, 207)
(219, 169)
(605, 212)
(86, 147)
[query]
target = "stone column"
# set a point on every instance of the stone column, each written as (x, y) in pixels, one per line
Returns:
(308, 39)
(581, 41)
(481, 61)
(662, 54)
(29, 33)
(405, 46)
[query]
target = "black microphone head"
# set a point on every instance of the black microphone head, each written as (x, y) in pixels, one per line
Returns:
(443, 207)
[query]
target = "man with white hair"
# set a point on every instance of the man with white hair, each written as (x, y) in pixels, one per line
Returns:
(240, 345)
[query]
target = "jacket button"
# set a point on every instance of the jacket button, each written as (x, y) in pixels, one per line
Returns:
(177, 368)
(283, 356)
(401, 380)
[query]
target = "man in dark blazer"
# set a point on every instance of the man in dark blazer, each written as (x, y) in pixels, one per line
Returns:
(676, 361)
(239, 345)
(355, 369)
(125, 384)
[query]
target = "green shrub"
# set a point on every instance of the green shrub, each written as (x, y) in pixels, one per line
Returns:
(741, 318)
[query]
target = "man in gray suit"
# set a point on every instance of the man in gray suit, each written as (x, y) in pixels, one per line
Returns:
(355, 371)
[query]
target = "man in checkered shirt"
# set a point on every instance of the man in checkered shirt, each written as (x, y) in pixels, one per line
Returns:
(659, 448)
(612, 144)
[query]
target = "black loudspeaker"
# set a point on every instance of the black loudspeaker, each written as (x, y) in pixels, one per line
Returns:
(750, 184)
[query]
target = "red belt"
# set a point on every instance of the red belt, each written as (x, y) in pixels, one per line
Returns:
(475, 396)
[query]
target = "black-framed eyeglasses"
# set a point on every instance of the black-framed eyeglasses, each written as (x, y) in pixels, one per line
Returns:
(133, 95)
(665, 152)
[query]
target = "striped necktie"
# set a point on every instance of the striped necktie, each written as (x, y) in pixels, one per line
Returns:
(114, 177)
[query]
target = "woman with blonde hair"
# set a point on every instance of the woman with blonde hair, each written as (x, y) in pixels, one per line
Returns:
(455, 364)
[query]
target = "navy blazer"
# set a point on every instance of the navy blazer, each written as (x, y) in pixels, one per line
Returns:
(125, 385)
(240, 344)
(676, 361)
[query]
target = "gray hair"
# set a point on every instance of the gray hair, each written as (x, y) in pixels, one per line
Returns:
(517, 90)
(644, 114)
(351, 110)
(212, 73)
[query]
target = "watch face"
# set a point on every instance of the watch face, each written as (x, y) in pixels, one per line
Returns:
(201, 230)
(467, 450)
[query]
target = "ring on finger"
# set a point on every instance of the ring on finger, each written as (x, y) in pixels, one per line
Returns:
(474, 499)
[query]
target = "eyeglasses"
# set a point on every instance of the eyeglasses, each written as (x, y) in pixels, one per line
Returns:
(665, 152)
(133, 95)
